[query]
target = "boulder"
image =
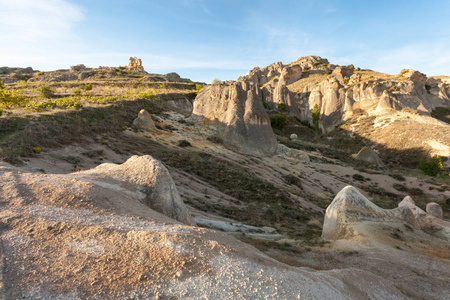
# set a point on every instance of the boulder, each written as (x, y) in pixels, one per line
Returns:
(172, 77)
(150, 180)
(347, 207)
(145, 122)
(293, 137)
(435, 210)
(294, 154)
(182, 104)
(236, 109)
(413, 75)
(78, 68)
(350, 214)
(366, 154)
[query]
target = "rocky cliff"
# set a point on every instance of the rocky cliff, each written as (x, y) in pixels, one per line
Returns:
(236, 109)
(339, 91)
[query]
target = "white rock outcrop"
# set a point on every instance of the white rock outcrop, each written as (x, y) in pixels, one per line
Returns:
(237, 111)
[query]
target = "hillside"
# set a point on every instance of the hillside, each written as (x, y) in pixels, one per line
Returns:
(248, 185)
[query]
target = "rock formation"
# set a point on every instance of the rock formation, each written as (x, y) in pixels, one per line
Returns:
(366, 154)
(349, 211)
(135, 64)
(88, 235)
(343, 91)
(145, 122)
(236, 109)
(150, 179)
(435, 210)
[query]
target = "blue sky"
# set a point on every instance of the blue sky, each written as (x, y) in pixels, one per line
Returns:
(203, 40)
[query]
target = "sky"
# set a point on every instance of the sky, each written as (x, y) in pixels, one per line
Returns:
(224, 39)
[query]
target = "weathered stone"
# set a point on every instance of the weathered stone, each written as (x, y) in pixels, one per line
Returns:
(366, 154)
(78, 68)
(435, 210)
(173, 77)
(294, 154)
(293, 137)
(239, 115)
(151, 179)
(144, 122)
(136, 64)
(414, 75)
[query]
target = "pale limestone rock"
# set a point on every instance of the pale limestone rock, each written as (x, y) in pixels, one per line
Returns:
(294, 154)
(237, 111)
(150, 177)
(435, 210)
(144, 122)
(366, 154)
(293, 137)
(135, 64)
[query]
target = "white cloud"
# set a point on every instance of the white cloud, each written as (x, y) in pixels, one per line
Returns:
(32, 20)
(37, 30)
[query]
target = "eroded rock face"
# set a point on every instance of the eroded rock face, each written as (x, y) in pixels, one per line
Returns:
(350, 210)
(435, 210)
(151, 179)
(237, 110)
(136, 64)
(145, 122)
(88, 235)
(366, 154)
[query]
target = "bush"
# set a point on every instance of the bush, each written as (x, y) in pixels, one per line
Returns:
(266, 105)
(184, 143)
(45, 91)
(2, 85)
(147, 94)
(10, 99)
(215, 81)
(432, 166)
(88, 87)
(282, 106)
(278, 121)
(329, 72)
(198, 87)
(315, 114)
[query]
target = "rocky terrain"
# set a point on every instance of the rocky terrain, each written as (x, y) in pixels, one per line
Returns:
(297, 181)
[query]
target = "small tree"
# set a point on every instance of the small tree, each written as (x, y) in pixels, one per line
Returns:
(2, 85)
(282, 106)
(278, 121)
(432, 166)
(316, 116)
(45, 91)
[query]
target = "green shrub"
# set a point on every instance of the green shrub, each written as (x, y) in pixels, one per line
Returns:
(266, 105)
(45, 91)
(329, 72)
(315, 114)
(10, 99)
(358, 69)
(149, 94)
(432, 166)
(316, 63)
(184, 143)
(282, 106)
(278, 121)
(88, 87)
(21, 82)
(2, 85)
(198, 87)
(77, 92)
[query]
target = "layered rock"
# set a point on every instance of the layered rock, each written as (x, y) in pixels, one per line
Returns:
(135, 64)
(237, 111)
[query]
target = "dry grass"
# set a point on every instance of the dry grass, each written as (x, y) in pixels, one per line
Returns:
(299, 86)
